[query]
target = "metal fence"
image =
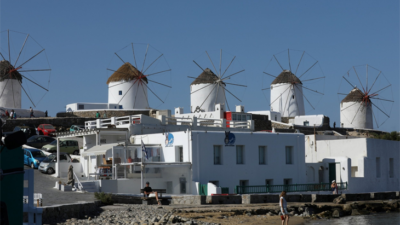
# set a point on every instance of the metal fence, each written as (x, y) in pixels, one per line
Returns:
(287, 188)
(224, 190)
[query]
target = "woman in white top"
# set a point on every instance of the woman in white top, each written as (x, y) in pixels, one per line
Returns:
(283, 206)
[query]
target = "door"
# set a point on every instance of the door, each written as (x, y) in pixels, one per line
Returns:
(169, 187)
(332, 172)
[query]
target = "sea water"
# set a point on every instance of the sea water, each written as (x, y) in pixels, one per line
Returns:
(382, 218)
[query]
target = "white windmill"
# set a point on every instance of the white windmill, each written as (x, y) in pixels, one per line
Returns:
(25, 70)
(208, 89)
(287, 90)
(363, 105)
(128, 86)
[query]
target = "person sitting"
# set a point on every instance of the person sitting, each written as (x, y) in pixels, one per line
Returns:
(147, 191)
(334, 187)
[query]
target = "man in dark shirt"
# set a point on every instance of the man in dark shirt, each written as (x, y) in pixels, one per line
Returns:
(147, 191)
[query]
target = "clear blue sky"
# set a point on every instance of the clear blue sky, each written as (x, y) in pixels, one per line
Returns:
(80, 38)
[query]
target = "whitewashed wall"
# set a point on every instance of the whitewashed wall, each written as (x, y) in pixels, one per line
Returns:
(283, 102)
(11, 94)
(134, 96)
(198, 97)
(316, 120)
(361, 154)
(89, 106)
(229, 173)
(355, 115)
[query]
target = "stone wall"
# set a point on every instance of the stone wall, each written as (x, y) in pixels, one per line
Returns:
(126, 199)
(188, 200)
(110, 113)
(56, 213)
(281, 126)
(261, 122)
(58, 123)
(224, 199)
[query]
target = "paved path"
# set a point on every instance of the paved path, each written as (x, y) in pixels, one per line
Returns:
(44, 184)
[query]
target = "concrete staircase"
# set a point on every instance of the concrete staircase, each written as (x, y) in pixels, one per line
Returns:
(90, 186)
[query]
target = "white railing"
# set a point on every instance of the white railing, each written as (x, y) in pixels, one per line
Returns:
(238, 124)
(179, 121)
(105, 123)
(78, 183)
(29, 206)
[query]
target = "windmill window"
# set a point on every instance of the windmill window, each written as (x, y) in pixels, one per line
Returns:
(120, 107)
(119, 92)
(293, 96)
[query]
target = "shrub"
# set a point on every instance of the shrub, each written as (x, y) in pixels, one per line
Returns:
(104, 198)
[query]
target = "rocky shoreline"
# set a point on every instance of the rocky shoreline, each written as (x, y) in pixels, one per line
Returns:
(226, 214)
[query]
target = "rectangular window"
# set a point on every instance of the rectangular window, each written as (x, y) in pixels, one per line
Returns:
(262, 153)
(119, 92)
(233, 116)
(243, 117)
(269, 182)
(378, 167)
(289, 155)
(391, 168)
(248, 117)
(244, 183)
(239, 154)
(306, 123)
(287, 181)
(81, 107)
(178, 154)
(120, 107)
(217, 155)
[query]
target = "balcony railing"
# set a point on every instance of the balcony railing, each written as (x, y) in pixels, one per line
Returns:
(287, 188)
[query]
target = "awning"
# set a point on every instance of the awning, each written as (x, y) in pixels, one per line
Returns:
(99, 149)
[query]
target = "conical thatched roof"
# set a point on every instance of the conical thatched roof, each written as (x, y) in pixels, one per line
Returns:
(5, 68)
(206, 77)
(126, 72)
(355, 95)
(286, 77)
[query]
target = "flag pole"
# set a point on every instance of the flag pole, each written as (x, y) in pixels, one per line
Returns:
(141, 166)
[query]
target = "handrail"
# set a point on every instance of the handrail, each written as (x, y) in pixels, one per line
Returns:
(80, 187)
(287, 188)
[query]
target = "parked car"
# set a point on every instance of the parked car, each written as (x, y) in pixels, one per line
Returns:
(33, 157)
(46, 129)
(67, 146)
(48, 165)
(38, 141)
(28, 131)
(76, 127)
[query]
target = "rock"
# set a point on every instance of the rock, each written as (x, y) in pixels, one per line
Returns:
(347, 208)
(339, 200)
(355, 212)
(308, 211)
(337, 213)
(270, 214)
(248, 214)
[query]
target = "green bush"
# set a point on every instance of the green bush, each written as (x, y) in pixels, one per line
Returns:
(104, 198)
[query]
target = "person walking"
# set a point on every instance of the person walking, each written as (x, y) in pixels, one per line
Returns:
(45, 114)
(7, 113)
(14, 115)
(11, 113)
(334, 125)
(283, 206)
(105, 114)
(97, 114)
(31, 112)
(334, 187)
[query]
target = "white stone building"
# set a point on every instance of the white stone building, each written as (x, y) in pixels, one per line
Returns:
(367, 164)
